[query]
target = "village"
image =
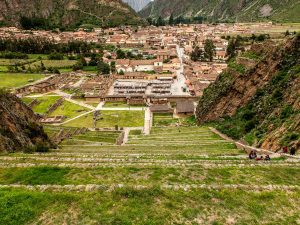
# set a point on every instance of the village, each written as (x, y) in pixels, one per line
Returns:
(183, 124)
(154, 74)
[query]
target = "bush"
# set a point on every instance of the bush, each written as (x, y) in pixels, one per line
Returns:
(41, 147)
(248, 115)
(250, 125)
(56, 56)
(13, 55)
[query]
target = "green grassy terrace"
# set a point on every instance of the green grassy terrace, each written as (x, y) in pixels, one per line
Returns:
(175, 175)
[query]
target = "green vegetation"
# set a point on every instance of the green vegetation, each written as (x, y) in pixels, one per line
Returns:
(237, 67)
(104, 14)
(96, 137)
(44, 103)
(251, 55)
(54, 63)
(13, 80)
(270, 110)
(69, 110)
(199, 11)
(165, 119)
(152, 205)
(111, 119)
(133, 181)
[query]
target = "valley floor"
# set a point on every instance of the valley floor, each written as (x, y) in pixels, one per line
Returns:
(176, 175)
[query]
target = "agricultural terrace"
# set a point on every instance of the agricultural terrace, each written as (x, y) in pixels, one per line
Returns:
(14, 80)
(108, 118)
(185, 175)
(54, 63)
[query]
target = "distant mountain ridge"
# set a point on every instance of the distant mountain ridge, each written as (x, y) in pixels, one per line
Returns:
(227, 10)
(67, 13)
(137, 5)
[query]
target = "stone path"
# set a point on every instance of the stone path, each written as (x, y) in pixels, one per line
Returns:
(80, 103)
(250, 148)
(67, 121)
(148, 121)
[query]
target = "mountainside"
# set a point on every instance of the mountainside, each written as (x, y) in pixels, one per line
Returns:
(258, 97)
(67, 13)
(227, 10)
(137, 5)
(18, 126)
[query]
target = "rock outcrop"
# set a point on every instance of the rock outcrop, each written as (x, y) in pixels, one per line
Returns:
(261, 104)
(19, 129)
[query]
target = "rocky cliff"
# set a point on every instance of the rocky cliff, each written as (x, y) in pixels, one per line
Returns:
(67, 13)
(258, 102)
(19, 130)
(227, 10)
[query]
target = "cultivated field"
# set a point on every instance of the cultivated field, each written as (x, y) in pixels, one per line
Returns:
(110, 119)
(176, 175)
(13, 80)
(55, 63)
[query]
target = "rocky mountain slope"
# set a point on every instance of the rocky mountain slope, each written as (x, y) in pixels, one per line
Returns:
(227, 10)
(67, 13)
(137, 5)
(258, 97)
(19, 129)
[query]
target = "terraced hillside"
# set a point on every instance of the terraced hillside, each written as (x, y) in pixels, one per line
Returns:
(176, 175)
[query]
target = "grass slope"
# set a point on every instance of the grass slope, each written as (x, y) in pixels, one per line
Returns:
(13, 80)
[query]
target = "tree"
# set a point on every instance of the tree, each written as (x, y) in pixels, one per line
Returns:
(43, 68)
(129, 55)
(77, 66)
(83, 61)
(197, 54)
(171, 20)
(231, 49)
(149, 20)
(209, 50)
(93, 61)
(160, 22)
(121, 54)
(113, 67)
(56, 56)
(287, 33)
(103, 68)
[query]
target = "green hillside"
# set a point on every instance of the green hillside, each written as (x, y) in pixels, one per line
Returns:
(227, 10)
(66, 13)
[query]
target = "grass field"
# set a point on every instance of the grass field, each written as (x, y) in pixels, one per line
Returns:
(8, 62)
(44, 103)
(150, 206)
(69, 110)
(12, 80)
(175, 175)
(111, 119)
(55, 63)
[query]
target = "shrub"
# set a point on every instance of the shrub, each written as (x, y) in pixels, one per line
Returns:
(56, 56)
(13, 55)
(41, 147)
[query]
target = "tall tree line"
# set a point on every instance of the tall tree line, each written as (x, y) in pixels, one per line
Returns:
(44, 46)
